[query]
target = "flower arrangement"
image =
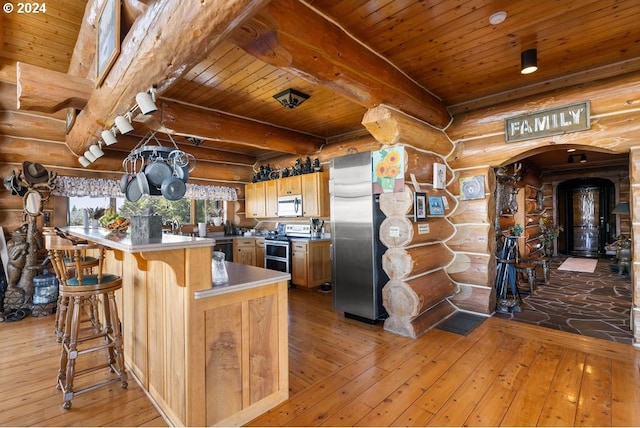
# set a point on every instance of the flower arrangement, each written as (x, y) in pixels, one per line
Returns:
(516, 230)
(388, 168)
(550, 230)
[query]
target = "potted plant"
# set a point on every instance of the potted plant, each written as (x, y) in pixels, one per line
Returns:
(516, 230)
(550, 231)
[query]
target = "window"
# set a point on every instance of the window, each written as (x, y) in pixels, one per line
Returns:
(179, 210)
(77, 205)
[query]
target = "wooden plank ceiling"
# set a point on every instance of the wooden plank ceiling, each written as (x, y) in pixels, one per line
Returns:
(448, 48)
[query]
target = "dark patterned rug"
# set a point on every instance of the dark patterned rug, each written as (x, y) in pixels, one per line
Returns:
(461, 322)
(591, 304)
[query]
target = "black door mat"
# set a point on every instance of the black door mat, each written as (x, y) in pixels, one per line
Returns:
(461, 323)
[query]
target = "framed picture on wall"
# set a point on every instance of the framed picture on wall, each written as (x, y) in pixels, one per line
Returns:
(436, 206)
(419, 206)
(107, 38)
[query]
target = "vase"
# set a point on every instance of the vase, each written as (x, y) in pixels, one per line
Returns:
(387, 183)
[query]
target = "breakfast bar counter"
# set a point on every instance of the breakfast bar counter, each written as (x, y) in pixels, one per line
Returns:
(207, 355)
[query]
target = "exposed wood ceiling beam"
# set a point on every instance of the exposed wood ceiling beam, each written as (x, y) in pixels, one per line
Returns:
(290, 35)
(163, 43)
(179, 119)
(48, 91)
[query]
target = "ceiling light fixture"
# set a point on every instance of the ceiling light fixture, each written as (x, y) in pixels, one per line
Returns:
(290, 98)
(146, 101)
(583, 158)
(90, 156)
(529, 61)
(96, 150)
(571, 150)
(498, 18)
(109, 136)
(124, 123)
(84, 161)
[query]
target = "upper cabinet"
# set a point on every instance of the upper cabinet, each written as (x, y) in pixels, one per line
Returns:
(255, 201)
(261, 198)
(315, 194)
(289, 185)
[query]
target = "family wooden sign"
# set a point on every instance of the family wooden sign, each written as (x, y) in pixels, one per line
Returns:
(560, 120)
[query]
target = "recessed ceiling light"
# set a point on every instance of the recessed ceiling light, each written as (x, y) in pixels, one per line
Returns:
(498, 17)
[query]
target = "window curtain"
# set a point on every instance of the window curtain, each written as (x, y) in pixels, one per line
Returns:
(99, 187)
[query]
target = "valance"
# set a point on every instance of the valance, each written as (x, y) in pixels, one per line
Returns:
(104, 188)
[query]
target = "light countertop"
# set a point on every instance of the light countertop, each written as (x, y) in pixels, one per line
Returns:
(243, 277)
(122, 241)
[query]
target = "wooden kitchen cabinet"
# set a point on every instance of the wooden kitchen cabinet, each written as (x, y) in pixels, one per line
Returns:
(255, 201)
(289, 186)
(259, 252)
(249, 251)
(310, 263)
(244, 251)
(261, 198)
(315, 194)
(271, 198)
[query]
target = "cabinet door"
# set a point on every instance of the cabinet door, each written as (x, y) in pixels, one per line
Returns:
(289, 186)
(254, 200)
(271, 198)
(244, 251)
(260, 253)
(299, 264)
(315, 194)
(319, 255)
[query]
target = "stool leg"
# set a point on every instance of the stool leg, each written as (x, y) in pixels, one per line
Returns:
(117, 339)
(532, 279)
(61, 315)
(545, 271)
(71, 343)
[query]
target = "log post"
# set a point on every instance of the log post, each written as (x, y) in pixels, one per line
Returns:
(401, 263)
(406, 300)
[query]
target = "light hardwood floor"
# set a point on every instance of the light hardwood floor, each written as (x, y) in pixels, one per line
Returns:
(344, 373)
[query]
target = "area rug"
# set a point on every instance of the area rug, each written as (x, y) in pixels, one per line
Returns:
(575, 264)
(461, 322)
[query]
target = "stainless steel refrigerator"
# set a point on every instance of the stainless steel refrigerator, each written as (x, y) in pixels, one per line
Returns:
(358, 277)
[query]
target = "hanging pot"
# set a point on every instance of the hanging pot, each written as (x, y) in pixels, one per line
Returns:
(143, 184)
(133, 192)
(173, 188)
(157, 172)
(124, 182)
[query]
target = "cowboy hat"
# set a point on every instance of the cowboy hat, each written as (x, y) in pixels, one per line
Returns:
(34, 172)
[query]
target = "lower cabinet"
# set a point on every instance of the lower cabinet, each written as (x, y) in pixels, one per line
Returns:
(310, 263)
(249, 251)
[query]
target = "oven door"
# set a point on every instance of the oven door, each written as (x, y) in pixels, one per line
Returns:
(277, 255)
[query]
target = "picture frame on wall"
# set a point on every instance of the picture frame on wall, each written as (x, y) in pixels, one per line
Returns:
(107, 39)
(439, 176)
(436, 206)
(472, 188)
(419, 206)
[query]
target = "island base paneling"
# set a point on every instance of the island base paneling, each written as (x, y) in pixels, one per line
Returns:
(218, 360)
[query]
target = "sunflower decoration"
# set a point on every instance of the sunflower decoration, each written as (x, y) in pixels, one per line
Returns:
(387, 168)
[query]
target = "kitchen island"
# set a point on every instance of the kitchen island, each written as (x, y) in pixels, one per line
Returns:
(207, 355)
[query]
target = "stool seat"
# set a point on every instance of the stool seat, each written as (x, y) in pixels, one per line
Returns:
(91, 280)
(83, 292)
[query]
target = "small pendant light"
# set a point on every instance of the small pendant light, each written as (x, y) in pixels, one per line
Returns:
(529, 61)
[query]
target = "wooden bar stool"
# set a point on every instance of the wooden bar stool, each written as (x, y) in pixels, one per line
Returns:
(79, 292)
(56, 240)
(529, 269)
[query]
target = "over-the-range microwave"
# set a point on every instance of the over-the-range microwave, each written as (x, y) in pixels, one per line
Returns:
(290, 206)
